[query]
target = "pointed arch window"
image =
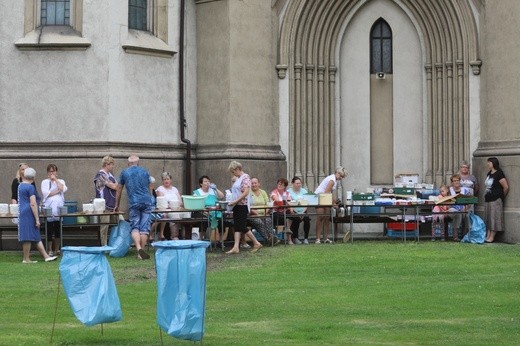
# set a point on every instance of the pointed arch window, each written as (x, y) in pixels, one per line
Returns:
(381, 47)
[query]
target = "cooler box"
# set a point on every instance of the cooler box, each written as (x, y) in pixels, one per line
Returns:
(72, 207)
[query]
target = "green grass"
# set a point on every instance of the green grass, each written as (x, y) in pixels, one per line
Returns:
(383, 293)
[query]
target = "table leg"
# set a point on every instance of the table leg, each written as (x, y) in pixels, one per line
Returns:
(351, 223)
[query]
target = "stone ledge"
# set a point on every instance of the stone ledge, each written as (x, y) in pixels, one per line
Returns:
(239, 151)
(144, 43)
(498, 148)
(53, 38)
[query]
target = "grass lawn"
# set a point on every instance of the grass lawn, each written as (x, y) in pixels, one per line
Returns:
(369, 292)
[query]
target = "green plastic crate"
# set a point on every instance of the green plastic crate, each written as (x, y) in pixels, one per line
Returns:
(363, 197)
(466, 200)
(404, 191)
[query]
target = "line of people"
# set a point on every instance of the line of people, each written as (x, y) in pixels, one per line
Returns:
(246, 192)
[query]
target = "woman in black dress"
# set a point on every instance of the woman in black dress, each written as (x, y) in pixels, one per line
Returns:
(496, 191)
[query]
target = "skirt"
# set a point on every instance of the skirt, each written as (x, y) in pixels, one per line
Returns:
(494, 214)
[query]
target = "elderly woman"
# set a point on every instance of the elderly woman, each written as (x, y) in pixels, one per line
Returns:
(299, 213)
(240, 204)
(16, 181)
(457, 189)
(29, 220)
(467, 179)
(496, 191)
(259, 219)
(172, 194)
(327, 185)
(213, 195)
(53, 190)
(105, 186)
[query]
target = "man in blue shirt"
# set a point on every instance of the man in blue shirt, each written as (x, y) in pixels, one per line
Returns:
(137, 180)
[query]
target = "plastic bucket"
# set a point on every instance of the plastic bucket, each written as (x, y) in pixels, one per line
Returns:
(72, 207)
(194, 202)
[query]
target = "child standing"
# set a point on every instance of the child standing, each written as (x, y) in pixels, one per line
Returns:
(438, 220)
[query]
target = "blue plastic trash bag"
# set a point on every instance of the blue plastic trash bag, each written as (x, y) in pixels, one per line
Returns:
(477, 230)
(120, 239)
(89, 284)
(181, 287)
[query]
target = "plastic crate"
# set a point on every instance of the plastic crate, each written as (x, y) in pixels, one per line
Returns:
(404, 191)
(466, 200)
(363, 197)
(369, 209)
(399, 234)
(398, 226)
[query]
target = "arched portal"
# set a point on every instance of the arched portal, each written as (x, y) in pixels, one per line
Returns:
(314, 54)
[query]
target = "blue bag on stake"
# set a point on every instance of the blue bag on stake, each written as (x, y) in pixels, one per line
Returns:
(181, 287)
(89, 284)
(477, 230)
(120, 239)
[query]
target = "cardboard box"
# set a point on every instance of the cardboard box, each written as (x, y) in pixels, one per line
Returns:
(407, 178)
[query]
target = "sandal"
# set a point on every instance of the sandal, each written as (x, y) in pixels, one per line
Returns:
(317, 241)
(327, 241)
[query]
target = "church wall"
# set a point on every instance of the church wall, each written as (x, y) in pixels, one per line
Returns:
(500, 104)
(72, 107)
(237, 95)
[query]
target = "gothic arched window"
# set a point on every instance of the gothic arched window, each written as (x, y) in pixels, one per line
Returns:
(381, 47)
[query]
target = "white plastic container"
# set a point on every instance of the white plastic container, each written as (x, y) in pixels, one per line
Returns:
(161, 202)
(13, 209)
(4, 208)
(99, 205)
(88, 208)
(174, 204)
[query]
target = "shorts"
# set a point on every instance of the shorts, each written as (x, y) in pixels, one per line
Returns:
(139, 217)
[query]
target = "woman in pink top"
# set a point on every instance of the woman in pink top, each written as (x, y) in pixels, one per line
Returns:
(280, 196)
(240, 204)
